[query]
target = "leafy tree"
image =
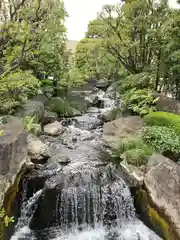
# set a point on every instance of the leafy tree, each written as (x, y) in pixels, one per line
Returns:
(33, 37)
(132, 32)
(93, 60)
(171, 69)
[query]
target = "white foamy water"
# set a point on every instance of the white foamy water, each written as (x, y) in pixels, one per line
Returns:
(136, 231)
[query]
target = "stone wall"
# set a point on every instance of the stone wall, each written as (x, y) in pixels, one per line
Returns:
(13, 152)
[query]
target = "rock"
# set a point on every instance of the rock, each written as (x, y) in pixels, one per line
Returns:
(102, 84)
(77, 98)
(110, 115)
(13, 152)
(163, 185)
(167, 104)
(113, 87)
(37, 150)
(154, 160)
(75, 113)
(63, 160)
(93, 110)
(92, 99)
(122, 127)
(54, 129)
(74, 139)
(132, 175)
(53, 103)
(40, 98)
(49, 117)
(87, 122)
(31, 108)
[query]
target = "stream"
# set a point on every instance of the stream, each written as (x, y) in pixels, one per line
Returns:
(77, 194)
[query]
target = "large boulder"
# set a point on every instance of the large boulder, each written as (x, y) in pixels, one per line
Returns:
(132, 175)
(77, 99)
(49, 117)
(31, 108)
(75, 112)
(121, 127)
(37, 150)
(162, 182)
(13, 151)
(92, 99)
(110, 115)
(103, 84)
(54, 129)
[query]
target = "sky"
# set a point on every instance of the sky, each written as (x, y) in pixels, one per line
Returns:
(82, 11)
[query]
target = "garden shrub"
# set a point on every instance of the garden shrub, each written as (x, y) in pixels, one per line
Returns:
(60, 106)
(31, 125)
(134, 151)
(140, 81)
(161, 138)
(166, 119)
(137, 156)
(140, 101)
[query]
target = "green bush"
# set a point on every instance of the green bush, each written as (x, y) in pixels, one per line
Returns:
(62, 107)
(134, 151)
(161, 138)
(137, 156)
(139, 81)
(31, 125)
(166, 119)
(15, 88)
(140, 101)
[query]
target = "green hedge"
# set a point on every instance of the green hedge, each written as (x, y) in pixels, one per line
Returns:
(165, 119)
(161, 138)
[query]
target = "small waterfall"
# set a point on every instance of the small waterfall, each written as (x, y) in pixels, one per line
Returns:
(85, 199)
(28, 208)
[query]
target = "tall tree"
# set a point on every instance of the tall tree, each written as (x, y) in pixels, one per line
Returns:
(32, 38)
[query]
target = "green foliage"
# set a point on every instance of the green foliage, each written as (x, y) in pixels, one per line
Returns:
(134, 151)
(140, 101)
(31, 125)
(165, 119)
(18, 85)
(5, 220)
(62, 107)
(15, 88)
(93, 60)
(139, 81)
(162, 138)
(140, 36)
(137, 156)
(1, 133)
(32, 43)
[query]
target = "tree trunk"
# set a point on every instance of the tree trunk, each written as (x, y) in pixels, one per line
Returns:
(158, 70)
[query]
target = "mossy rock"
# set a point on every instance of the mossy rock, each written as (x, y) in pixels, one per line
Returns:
(153, 217)
(11, 205)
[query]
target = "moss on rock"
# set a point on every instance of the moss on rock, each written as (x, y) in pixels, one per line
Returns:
(11, 205)
(153, 217)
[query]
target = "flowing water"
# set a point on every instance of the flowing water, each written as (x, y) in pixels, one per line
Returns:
(82, 197)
